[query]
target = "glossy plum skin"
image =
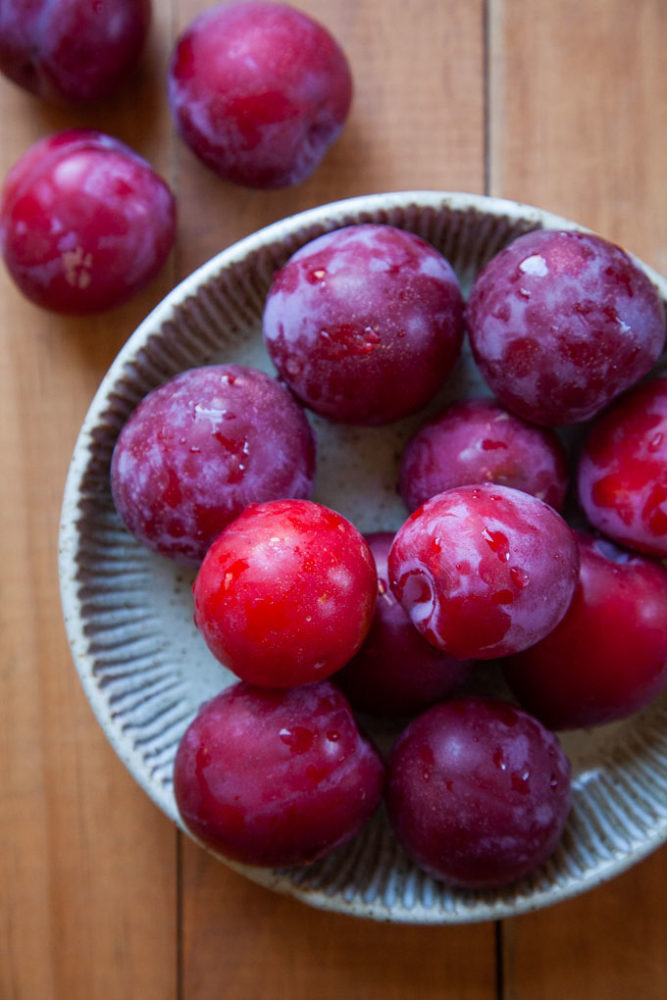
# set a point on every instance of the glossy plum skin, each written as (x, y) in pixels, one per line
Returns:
(622, 474)
(71, 51)
(85, 223)
(259, 91)
(364, 323)
(607, 658)
(562, 322)
(480, 441)
(484, 571)
(276, 778)
(286, 594)
(201, 447)
(396, 672)
(478, 792)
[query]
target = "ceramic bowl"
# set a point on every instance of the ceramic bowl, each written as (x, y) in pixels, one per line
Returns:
(128, 613)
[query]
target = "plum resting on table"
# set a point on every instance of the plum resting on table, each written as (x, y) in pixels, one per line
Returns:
(202, 446)
(286, 593)
(484, 571)
(85, 222)
(607, 658)
(479, 441)
(72, 51)
(364, 323)
(562, 322)
(396, 671)
(259, 91)
(276, 778)
(622, 475)
(478, 792)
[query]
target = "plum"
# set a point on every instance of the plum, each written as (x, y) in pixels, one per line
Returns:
(285, 595)
(202, 446)
(276, 778)
(259, 91)
(607, 658)
(561, 322)
(478, 792)
(480, 441)
(484, 571)
(72, 51)
(622, 474)
(364, 323)
(396, 672)
(85, 222)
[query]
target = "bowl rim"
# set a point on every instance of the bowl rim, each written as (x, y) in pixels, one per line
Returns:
(332, 215)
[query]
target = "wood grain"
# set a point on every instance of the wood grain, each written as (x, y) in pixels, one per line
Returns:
(578, 116)
(239, 938)
(609, 943)
(87, 865)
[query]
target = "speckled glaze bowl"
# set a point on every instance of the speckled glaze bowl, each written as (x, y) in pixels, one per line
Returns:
(128, 612)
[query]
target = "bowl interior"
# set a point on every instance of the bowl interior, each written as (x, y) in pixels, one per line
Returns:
(128, 612)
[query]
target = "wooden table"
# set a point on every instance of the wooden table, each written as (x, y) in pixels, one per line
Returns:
(558, 103)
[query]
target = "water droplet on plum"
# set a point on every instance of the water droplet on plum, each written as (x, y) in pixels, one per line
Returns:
(299, 739)
(497, 542)
(519, 576)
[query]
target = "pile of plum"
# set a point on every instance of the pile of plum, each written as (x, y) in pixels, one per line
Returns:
(257, 90)
(215, 469)
(324, 627)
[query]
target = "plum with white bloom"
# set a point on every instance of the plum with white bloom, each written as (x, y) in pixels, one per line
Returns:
(561, 322)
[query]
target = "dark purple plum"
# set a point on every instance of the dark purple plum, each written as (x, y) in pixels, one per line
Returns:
(622, 475)
(484, 571)
(480, 441)
(259, 91)
(72, 51)
(607, 658)
(478, 792)
(561, 322)
(364, 323)
(397, 672)
(201, 447)
(276, 778)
